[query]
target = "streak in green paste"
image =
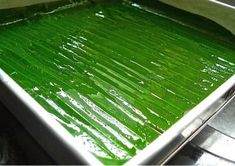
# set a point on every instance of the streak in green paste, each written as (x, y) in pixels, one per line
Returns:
(116, 77)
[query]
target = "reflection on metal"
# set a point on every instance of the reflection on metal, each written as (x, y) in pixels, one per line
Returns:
(162, 149)
(60, 143)
(216, 143)
(47, 131)
(209, 159)
(220, 2)
(225, 120)
(218, 137)
(193, 155)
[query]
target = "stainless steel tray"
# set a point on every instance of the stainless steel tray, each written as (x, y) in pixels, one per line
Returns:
(52, 136)
(65, 149)
(164, 147)
(219, 11)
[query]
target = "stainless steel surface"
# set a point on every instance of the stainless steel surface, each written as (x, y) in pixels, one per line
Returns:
(210, 159)
(179, 134)
(17, 147)
(193, 155)
(218, 136)
(225, 121)
(216, 143)
(61, 145)
(58, 142)
(220, 11)
(227, 2)
(66, 149)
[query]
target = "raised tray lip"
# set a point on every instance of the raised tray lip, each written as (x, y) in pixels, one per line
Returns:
(21, 100)
(221, 2)
(156, 152)
(162, 148)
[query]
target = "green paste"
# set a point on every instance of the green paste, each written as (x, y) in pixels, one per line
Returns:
(115, 76)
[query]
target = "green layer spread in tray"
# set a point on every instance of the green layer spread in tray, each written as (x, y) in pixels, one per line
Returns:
(113, 75)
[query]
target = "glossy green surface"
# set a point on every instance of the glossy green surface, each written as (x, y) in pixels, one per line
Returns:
(113, 75)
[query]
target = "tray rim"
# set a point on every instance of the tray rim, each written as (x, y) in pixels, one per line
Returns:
(186, 128)
(63, 144)
(175, 137)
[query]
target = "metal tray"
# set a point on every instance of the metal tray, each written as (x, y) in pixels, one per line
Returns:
(66, 150)
(220, 11)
